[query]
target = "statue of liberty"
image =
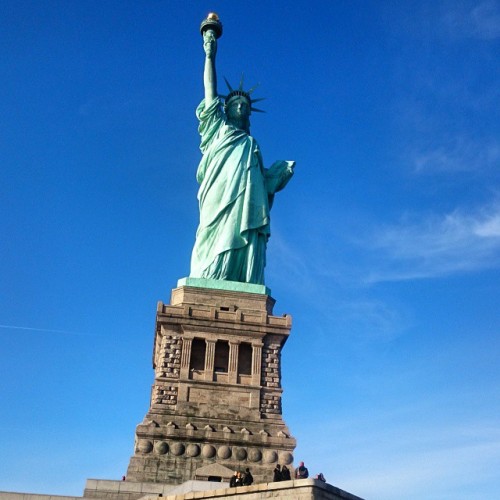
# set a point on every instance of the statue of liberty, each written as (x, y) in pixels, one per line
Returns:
(236, 191)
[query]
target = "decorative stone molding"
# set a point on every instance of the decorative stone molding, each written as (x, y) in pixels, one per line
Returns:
(285, 457)
(224, 452)
(169, 357)
(164, 394)
(161, 447)
(192, 450)
(144, 446)
(270, 457)
(177, 449)
(240, 454)
(208, 451)
(254, 455)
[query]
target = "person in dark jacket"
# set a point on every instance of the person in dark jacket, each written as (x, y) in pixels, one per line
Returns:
(301, 471)
(277, 474)
(285, 473)
(232, 481)
(320, 477)
(247, 478)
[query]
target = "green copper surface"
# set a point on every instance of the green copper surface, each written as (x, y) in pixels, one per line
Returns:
(232, 286)
(236, 190)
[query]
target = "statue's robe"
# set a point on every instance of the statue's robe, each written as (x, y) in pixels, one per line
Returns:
(235, 196)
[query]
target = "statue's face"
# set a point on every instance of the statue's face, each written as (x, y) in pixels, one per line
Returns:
(238, 108)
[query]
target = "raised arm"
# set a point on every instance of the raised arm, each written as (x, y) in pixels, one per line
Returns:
(209, 74)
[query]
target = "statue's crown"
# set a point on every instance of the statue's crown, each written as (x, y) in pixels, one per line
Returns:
(239, 92)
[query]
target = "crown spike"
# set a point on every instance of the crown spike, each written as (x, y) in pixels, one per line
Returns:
(228, 85)
(253, 88)
(242, 93)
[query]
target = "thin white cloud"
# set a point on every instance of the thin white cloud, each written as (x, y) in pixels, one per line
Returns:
(320, 278)
(457, 154)
(415, 458)
(413, 475)
(370, 319)
(418, 246)
(45, 330)
(438, 246)
(287, 263)
(474, 20)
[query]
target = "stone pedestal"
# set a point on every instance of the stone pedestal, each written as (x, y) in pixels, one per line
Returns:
(300, 489)
(216, 398)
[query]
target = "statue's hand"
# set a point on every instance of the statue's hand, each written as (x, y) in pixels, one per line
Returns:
(209, 44)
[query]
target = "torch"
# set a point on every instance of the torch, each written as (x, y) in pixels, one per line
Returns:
(211, 23)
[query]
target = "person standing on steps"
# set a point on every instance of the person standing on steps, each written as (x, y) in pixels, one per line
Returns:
(301, 471)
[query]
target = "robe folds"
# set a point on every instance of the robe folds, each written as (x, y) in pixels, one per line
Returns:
(235, 196)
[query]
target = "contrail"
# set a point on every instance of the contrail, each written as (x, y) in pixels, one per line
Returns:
(40, 329)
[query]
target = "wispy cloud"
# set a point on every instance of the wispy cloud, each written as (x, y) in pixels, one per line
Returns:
(370, 320)
(44, 330)
(324, 281)
(287, 263)
(438, 246)
(413, 475)
(413, 458)
(457, 154)
(474, 20)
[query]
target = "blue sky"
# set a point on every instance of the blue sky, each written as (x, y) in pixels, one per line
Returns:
(385, 245)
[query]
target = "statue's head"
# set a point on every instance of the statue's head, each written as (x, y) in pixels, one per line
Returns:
(238, 97)
(238, 105)
(238, 110)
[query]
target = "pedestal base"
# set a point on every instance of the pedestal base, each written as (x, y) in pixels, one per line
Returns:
(303, 489)
(216, 398)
